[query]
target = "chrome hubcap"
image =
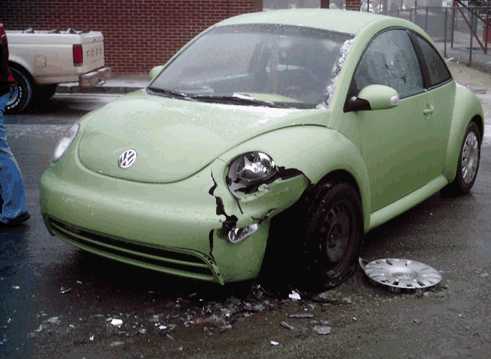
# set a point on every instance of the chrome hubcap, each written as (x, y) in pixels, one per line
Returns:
(470, 157)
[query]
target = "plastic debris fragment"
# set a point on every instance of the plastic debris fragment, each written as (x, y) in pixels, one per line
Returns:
(117, 322)
(322, 330)
(115, 344)
(294, 296)
(54, 320)
(170, 337)
(64, 290)
(287, 326)
(273, 343)
(306, 315)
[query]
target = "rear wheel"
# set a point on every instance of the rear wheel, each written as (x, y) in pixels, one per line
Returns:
(20, 95)
(334, 233)
(468, 165)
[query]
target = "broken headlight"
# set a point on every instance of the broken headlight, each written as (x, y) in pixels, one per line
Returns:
(250, 170)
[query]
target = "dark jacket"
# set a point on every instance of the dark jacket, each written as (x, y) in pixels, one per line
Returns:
(6, 78)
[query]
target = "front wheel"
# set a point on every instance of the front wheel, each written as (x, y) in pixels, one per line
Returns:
(20, 95)
(334, 233)
(468, 165)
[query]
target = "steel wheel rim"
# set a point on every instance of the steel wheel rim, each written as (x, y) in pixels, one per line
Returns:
(336, 233)
(470, 157)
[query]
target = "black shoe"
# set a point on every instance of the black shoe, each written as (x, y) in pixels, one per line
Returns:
(12, 222)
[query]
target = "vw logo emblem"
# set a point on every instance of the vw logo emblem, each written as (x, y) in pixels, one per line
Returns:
(128, 158)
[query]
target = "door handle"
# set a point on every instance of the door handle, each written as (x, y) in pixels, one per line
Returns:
(429, 111)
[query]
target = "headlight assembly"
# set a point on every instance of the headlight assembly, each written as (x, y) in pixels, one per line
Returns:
(65, 142)
(248, 171)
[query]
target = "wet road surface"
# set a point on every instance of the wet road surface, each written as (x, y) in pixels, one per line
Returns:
(60, 302)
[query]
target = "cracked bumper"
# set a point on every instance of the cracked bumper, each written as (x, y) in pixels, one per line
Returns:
(172, 228)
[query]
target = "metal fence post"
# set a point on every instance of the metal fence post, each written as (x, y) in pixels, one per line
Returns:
(472, 35)
(445, 42)
(426, 19)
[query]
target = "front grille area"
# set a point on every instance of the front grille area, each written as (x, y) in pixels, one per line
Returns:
(162, 260)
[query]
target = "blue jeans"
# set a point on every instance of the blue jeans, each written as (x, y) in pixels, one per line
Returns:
(12, 190)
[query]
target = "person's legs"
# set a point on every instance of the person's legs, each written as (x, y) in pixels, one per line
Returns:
(12, 191)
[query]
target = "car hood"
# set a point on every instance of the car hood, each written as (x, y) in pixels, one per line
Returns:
(174, 138)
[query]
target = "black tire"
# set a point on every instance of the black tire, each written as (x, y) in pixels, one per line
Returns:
(468, 165)
(334, 234)
(21, 95)
(45, 92)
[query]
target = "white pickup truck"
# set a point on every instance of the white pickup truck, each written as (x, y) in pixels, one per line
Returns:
(40, 60)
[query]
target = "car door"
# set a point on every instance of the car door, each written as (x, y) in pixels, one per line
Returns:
(441, 92)
(396, 143)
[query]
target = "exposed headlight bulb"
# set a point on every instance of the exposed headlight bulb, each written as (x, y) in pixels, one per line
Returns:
(248, 171)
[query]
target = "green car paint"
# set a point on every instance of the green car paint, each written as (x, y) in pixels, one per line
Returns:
(173, 211)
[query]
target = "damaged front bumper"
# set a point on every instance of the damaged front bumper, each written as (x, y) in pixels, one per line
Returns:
(178, 228)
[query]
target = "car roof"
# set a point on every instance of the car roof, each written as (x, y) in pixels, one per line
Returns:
(350, 22)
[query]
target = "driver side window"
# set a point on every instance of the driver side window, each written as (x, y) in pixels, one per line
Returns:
(390, 60)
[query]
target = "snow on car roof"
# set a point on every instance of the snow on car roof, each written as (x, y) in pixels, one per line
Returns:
(346, 21)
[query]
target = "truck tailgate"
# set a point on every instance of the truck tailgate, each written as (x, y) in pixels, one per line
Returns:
(52, 54)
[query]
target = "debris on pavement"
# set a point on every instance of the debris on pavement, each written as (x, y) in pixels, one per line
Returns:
(64, 290)
(273, 343)
(117, 322)
(53, 320)
(294, 295)
(302, 315)
(322, 330)
(286, 325)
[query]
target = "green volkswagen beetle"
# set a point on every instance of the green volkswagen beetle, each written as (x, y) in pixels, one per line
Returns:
(346, 119)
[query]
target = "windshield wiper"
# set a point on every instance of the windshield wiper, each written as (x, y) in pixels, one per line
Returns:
(167, 93)
(235, 98)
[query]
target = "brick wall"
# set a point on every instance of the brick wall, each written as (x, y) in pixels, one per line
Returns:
(353, 5)
(350, 4)
(138, 34)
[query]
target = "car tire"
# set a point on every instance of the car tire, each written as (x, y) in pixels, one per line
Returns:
(334, 234)
(45, 92)
(20, 95)
(468, 165)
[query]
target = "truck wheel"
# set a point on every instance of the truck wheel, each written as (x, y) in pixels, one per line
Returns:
(334, 233)
(20, 95)
(45, 92)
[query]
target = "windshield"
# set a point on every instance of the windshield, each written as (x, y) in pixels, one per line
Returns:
(270, 65)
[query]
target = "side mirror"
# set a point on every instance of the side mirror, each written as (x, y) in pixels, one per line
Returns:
(373, 97)
(155, 71)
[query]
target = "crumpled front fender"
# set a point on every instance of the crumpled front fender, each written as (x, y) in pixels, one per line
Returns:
(314, 151)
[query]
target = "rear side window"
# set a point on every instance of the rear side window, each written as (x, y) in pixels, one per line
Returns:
(436, 66)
